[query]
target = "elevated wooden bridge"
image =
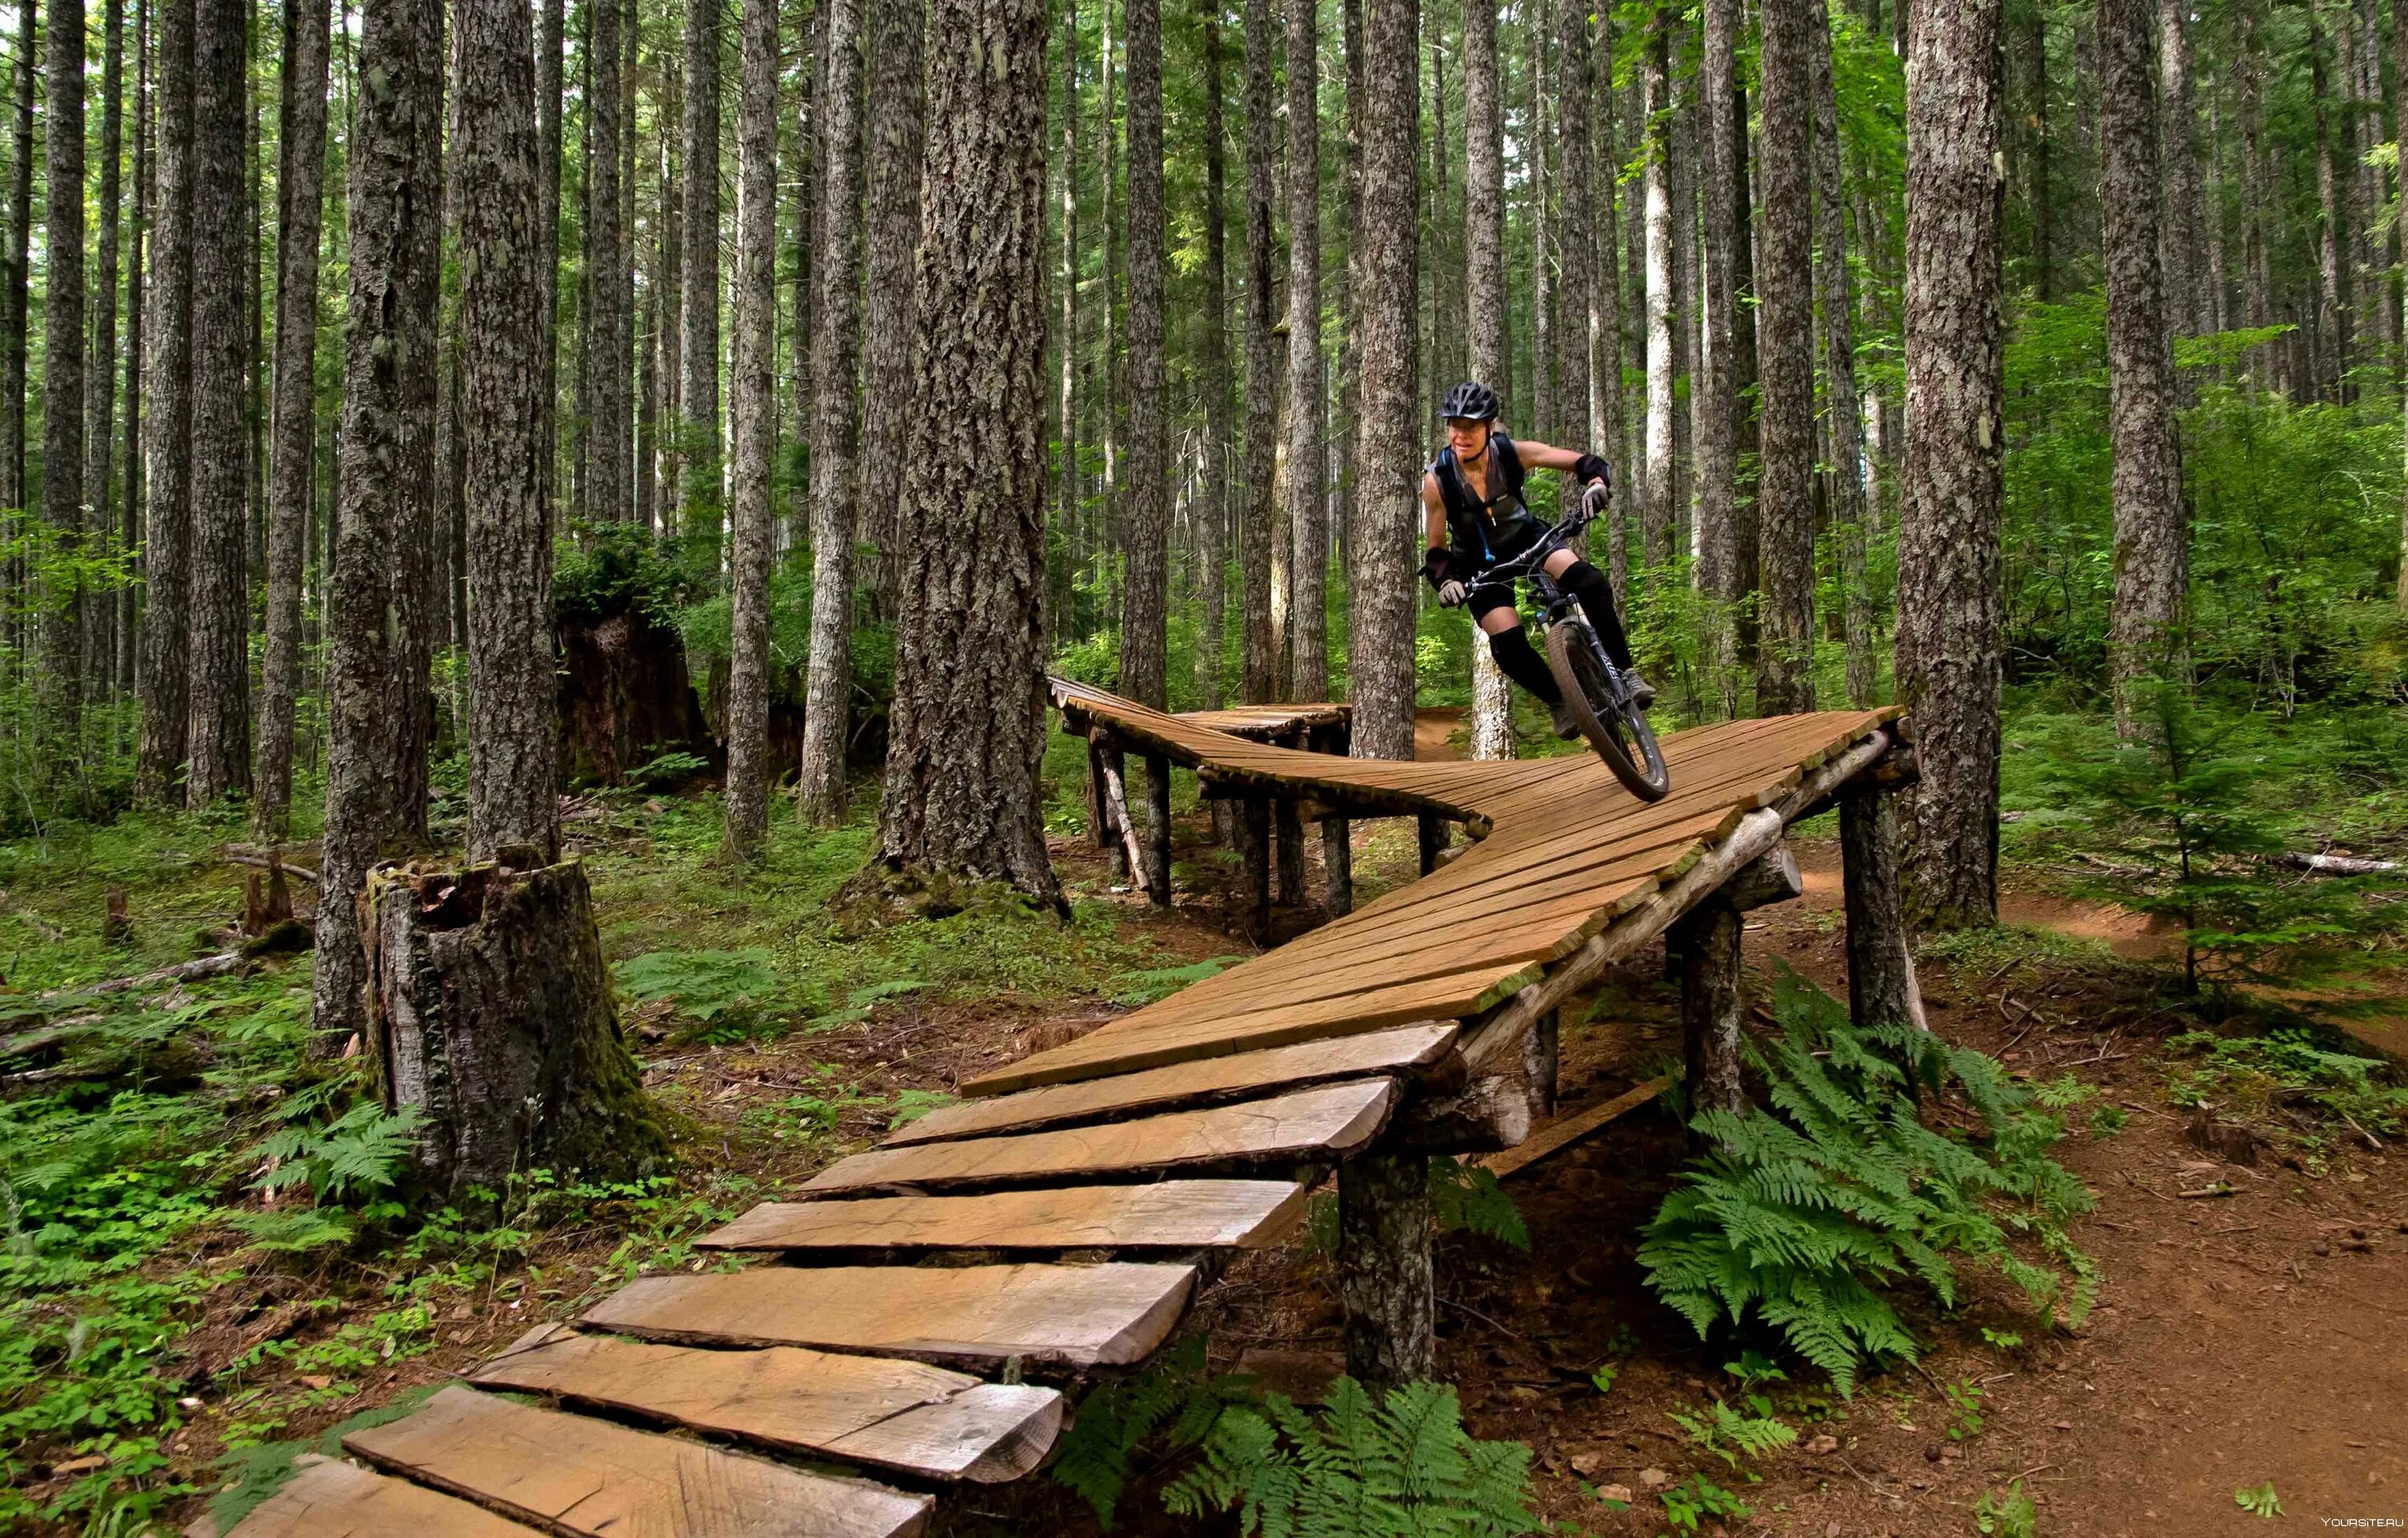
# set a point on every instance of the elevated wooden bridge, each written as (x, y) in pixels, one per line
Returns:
(913, 1323)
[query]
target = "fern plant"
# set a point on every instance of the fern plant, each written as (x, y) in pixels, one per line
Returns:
(1177, 1392)
(359, 1153)
(1404, 1468)
(1803, 1209)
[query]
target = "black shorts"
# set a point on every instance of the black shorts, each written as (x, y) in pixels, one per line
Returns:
(1504, 544)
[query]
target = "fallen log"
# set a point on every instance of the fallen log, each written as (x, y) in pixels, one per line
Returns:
(2336, 865)
(183, 972)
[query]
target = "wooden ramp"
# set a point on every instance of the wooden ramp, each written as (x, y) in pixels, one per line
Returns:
(910, 1325)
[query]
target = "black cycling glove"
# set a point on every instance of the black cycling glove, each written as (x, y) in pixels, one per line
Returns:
(1436, 564)
(1589, 467)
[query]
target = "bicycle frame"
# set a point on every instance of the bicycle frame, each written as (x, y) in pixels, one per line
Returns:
(1555, 604)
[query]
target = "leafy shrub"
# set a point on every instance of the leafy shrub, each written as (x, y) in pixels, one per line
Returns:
(1805, 1207)
(710, 988)
(1404, 1468)
(360, 1153)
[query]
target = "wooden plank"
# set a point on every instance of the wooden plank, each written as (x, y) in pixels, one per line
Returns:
(574, 1474)
(1107, 1314)
(876, 1410)
(1403, 1050)
(332, 1499)
(1115, 1049)
(1329, 1122)
(1562, 1132)
(1169, 1214)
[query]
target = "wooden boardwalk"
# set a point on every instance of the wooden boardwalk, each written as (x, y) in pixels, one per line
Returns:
(839, 1385)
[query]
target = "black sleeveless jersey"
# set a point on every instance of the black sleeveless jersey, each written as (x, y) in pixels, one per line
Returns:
(1485, 528)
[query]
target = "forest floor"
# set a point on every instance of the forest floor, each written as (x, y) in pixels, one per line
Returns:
(2250, 1327)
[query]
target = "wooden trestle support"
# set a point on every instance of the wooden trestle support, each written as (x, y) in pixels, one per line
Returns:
(941, 1291)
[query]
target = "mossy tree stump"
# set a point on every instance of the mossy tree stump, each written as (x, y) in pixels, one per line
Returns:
(490, 1011)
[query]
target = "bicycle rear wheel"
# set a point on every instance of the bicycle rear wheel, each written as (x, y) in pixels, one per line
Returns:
(1619, 733)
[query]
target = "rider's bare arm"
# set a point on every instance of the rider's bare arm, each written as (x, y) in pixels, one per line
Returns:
(1544, 456)
(1433, 513)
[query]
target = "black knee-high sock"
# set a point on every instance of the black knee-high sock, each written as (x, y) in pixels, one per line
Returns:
(1523, 665)
(1596, 595)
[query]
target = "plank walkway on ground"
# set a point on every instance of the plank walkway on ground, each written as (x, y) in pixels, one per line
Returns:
(1193, 1124)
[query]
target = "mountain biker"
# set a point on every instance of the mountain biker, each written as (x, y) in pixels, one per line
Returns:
(1475, 517)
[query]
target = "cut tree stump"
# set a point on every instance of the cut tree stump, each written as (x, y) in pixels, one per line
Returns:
(490, 1012)
(1882, 989)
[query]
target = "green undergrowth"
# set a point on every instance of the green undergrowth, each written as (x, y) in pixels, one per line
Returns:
(2291, 1082)
(1881, 1158)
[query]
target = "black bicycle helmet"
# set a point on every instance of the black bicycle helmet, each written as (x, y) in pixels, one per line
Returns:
(1471, 400)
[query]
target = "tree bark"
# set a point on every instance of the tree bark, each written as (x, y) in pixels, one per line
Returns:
(1949, 603)
(548, 95)
(1219, 386)
(969, 714)
(59, 675)
(2184, 241)
(609, 404)
(1785, 331)
(99, 616)
(1308, 383)
(1145, 615)
(513, 731)
(2332, 336)
(1387, 509)
(1605, 411)
(493, 1015)
(129, 598)
(387, 456)
(699, 446)
(893, 219)
(1881, 991)
(1258, 518)
(1843, 413)
(1715, 386)
(15, 302)
(1657, 517)
(167, 549)
(1484, 276)
(1575, 238)
(221, 621)
(300, 176)
(1062, 544)
(2152, 533)
(836, 344)
(756, 320)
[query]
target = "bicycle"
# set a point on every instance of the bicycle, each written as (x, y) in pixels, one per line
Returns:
(1595, 690)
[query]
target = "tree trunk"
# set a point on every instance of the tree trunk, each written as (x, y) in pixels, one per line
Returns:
(2031, 47)
(167, 548)
(100, 376)
(1541, 404)
(387, 354)
(1387, 509)
(2184, 242)
(1785, 330)
(836, 344)
(1949, 603)
(548, 95)
(58, 670)
(1308, 384)
(2332, 331)
(1484, 276)
(1657, 517)
(300, 175)
(221, 620)
(1383, 1205)
(1715, 386)
(962, 795)
(2399, 115)
(492, 1013)
(129, 641)
(893, 220)
(2152, 535)
(1145, 617)
(1606, 416)
(1061, 569)
(756, 320)
(1220, 428)
(1259, 519)
(1109, 375)
(513, 731)
(1350, 315)
(15, 304)
(1842, 414)
(607, 407)
(699, 446)
(1574, 238)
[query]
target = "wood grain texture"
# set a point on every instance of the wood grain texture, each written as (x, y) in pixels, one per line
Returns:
(574, 1474)
(1069, 1315)
(332, 1499)
(1329, 1122)
(1561, 1133)
(875, 1410)
(1172, 1214)
(1403, 1050)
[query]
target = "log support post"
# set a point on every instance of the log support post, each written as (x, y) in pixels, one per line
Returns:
(1384, 1269)
(1291, 853)
(1157, 816)
(1433, 839)
(1127, 860)
(1258, 866)
(1337, 866)
(1705, 944)
(1099, 821)
(1882, 989)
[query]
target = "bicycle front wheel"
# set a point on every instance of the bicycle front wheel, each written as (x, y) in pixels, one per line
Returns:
(1618, 732)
